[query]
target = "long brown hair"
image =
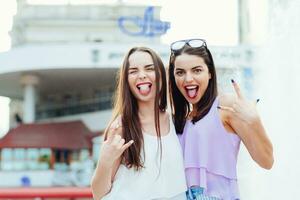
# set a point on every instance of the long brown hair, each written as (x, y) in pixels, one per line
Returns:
(125, 106)
(179, 105)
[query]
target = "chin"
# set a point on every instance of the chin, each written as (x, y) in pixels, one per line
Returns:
(145, 98)
(193, 100)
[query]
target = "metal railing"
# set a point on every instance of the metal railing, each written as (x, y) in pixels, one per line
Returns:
(59, 110)
(43, 193)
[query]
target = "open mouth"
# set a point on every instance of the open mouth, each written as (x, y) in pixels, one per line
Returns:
(144, 88)
(191, 91)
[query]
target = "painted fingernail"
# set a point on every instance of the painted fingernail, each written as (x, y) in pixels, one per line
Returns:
(219, 107)
(257, 100)
(232, 81)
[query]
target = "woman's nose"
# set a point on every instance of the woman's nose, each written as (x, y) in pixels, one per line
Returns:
(142, 75)
(188, 77)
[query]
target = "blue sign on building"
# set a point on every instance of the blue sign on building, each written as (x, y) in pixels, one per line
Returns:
(147, 26)
(25, 181)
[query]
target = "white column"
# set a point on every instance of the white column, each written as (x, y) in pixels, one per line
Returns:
(29, 82)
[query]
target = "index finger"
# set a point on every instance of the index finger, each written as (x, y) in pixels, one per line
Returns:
(116, 124)
(111, 134)
(237, 89)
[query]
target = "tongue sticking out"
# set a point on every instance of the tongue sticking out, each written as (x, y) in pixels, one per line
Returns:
(192, 93)
(144, 89)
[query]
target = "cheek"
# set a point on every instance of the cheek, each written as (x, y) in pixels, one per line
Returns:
(204, 77)
(152, 76)
(204, 81)
(153, 79)
(178, 81)
(131, 82)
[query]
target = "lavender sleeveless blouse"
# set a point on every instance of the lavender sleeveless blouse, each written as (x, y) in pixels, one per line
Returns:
(210, 156)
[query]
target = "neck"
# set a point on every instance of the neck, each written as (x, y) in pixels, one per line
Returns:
(146, 109)
(194, 111)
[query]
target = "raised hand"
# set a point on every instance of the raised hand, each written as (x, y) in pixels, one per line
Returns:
(241, 107)
(114, 146)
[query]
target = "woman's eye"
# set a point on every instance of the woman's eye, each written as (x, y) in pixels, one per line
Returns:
(197, 70)
(179, 73)
(150, 69)
(132, 72)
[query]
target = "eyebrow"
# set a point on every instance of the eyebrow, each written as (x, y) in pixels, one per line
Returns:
(198, 66)
(178, 68)
(149, 65)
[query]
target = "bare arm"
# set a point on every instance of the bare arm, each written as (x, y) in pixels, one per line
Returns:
(103, 178)
(108, 163)
(243, 117)
(256, 140)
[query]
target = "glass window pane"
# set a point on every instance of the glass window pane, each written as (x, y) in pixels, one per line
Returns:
(7, 165)
(7, 154)
(19, 165)
(32, 154)
(45, 151)
(84, 154)
(44, 159)
(19, 154)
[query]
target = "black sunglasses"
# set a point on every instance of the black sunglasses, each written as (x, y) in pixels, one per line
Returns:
(194, 43)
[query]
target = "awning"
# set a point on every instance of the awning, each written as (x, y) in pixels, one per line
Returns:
(59, 135)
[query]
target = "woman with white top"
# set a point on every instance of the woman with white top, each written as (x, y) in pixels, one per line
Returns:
(141, 157)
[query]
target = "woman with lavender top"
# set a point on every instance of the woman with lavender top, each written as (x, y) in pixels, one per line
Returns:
(211, 126)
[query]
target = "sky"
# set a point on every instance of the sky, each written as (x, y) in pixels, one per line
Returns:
(214, 20)
(7, 10)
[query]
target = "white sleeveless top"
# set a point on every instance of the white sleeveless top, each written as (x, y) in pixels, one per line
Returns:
(153, 182)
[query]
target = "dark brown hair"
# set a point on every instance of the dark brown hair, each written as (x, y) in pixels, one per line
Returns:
(179, 105)
(125, 106)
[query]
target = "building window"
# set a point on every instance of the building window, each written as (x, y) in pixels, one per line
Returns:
(95, 55)
(19, 159)
(62, 156)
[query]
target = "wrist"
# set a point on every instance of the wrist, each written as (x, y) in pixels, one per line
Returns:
(105, 162)
(254, 120)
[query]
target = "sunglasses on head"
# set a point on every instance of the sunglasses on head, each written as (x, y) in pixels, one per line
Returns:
(194, 43)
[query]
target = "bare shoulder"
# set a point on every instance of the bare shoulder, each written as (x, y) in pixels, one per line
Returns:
(227, 99)
(167, 116)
